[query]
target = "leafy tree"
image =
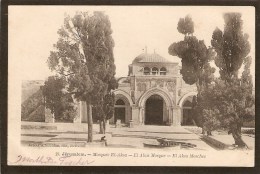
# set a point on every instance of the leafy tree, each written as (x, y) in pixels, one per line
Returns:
(235, 99)
(104, 110)
(186, 25)
(195, 58)
(57, 100)
(231, 46)
(108, 107)
(52, 92)
(229, 105)
(84, 57)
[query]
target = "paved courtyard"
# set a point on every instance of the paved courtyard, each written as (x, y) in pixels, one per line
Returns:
(69, 134)
(64, 135)
(149, 134)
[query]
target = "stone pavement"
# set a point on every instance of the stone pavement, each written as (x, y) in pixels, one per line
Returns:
(228, 140)
(116, 137)
(223, 138)
(66, 134)
(148, 134)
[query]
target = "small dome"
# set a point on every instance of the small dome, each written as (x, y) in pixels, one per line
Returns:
(145, 57)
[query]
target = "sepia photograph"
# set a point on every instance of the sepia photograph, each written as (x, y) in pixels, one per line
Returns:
(131, 85)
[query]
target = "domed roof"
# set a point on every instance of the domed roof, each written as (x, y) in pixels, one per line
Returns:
(146, 57)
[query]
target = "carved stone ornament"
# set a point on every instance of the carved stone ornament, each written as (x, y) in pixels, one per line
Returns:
(160, 84)
(171, 86)
(153, 83)
(141, 86)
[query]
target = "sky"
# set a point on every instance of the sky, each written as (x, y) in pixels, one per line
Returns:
(33, 31)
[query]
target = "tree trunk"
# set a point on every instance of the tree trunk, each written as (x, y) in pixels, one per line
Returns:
(104, 125)
(236, 133)
(101, 127)
(209, 133)
(90, 123)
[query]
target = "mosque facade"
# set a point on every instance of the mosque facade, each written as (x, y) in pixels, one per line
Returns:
(153, 93)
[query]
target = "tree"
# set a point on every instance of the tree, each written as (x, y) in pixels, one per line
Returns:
(104, 111)
(230, 105)
(195, 58)
(234, 94)
(57, 99)
(186, 25)
(52, 92)
(84, 57)
(231, 46)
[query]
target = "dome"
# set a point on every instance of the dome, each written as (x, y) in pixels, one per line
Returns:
(146, 57)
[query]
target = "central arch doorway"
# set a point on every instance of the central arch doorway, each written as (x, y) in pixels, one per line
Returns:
(154, 110)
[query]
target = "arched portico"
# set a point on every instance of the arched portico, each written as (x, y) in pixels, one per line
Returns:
(164, 94)
(186, 105)
(123, 104)
(125, 94)
(169, 108)
(184, 97)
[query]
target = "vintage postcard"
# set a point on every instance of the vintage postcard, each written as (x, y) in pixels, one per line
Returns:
(131, 85)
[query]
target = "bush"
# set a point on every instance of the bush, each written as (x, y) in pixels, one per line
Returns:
(249, 124)
(248, 131)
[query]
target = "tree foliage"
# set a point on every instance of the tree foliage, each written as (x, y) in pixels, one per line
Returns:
(195, 58)
(104, 110)
(52, 92)
(231, 46)
(186, 25)
(58, 100)
(84, 56)
(229, 105)
(232, 95)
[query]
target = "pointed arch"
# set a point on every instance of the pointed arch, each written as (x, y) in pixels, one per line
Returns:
(164, 94)
(184, 97)
(125, 94)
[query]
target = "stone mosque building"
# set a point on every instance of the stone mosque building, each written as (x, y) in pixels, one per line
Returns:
(153, 93)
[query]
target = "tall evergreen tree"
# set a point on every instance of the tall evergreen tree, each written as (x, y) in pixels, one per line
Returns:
(195, 58)
(235, 100)
(84, 57)
(231, 46)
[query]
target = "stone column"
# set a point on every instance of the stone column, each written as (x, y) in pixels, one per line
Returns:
(135, 115)
(141, 115)
(178, 111)
(181, 113)
(170, 116)
(176, 116)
